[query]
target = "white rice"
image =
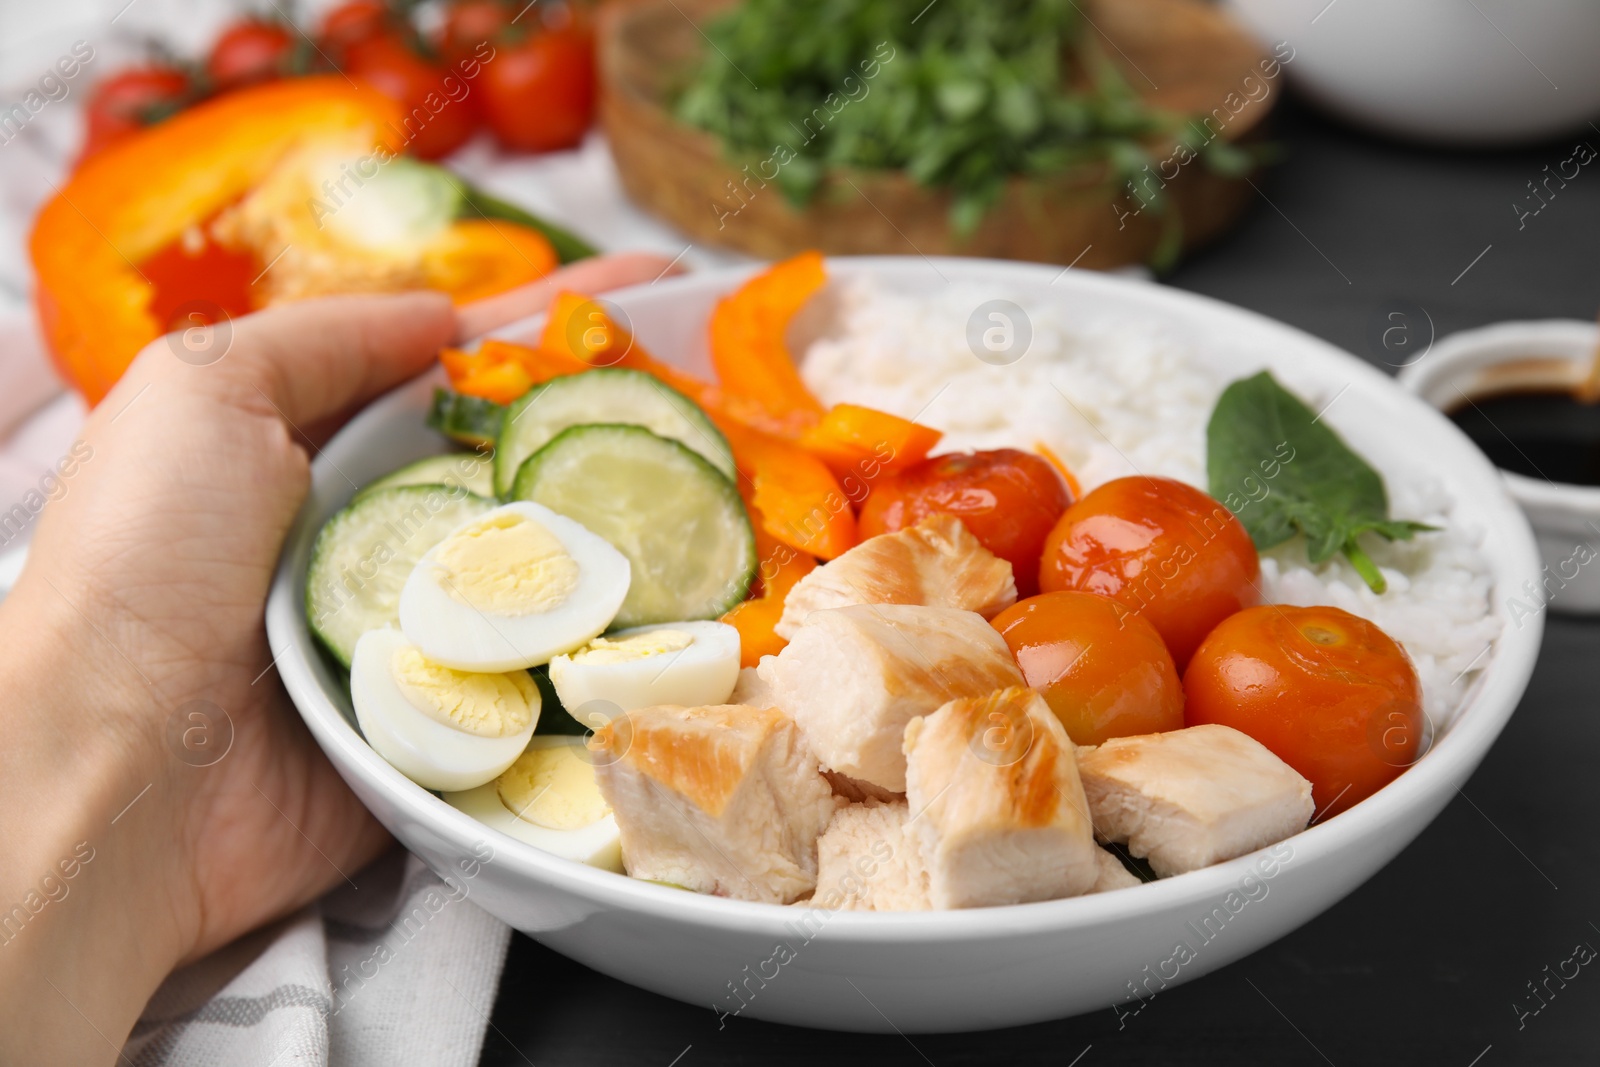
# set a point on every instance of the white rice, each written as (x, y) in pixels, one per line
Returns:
(1119, 398)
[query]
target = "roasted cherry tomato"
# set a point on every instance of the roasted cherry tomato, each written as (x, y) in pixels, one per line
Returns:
(248, 52)
(1009, 500)
(440, 112)
(1164, 549)
(1103, 670)
(353, 22)
(131, 100)
(468, 24)
(1334, 696)
(538, 93)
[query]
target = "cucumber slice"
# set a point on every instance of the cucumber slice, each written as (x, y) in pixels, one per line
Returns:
(679, 521)
(405, 205)
(461, 471)
(604, 395)
(364, 554)
(468, 420)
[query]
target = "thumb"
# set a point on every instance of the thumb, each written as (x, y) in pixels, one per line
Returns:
(316, 358)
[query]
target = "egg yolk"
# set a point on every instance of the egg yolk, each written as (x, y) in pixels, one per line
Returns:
(506, 564)
(605, 650)
(488, 705)
(553, 787)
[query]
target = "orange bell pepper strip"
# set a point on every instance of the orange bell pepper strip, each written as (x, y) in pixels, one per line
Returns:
(861, 442)
(478, 258)
(757, 618)
(140, 195)
(800, 501)
(579, 327)
(747, 338)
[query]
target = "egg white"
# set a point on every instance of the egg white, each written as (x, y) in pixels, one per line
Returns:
(703, 673)
(461, 636)
(599, 844)
(422, 748)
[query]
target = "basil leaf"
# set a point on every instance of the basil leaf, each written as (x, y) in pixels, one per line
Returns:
(1282, 471)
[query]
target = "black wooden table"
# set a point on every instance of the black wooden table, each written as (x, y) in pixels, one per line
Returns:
(1430, 962)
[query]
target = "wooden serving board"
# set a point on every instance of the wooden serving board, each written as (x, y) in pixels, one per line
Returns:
(1185, 55)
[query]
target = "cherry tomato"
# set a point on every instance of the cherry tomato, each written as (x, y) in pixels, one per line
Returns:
(131, 100)
(353, 22)
(440, 114)
(1164, 549)
(1009, 500)
(248, 52)
(1103, 670)
(538, 93)
(1331, 694)
(470, 23)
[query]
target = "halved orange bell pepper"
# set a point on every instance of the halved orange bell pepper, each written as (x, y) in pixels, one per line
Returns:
(140, 195)
(756, 619)
(859, 441)
(748, 350)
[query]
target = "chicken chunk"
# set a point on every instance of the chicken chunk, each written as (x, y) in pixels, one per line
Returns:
(936, 563)
(724, 800)
(1186, 799)
(998, 813)
(1111, 874)
(867, 862)
(853, 677)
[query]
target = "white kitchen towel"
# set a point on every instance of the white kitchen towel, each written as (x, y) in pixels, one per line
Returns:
(396, 967)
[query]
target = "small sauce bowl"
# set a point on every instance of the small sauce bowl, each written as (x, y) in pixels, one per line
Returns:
(1510, 356)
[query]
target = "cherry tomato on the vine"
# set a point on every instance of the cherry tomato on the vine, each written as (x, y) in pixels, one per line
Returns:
(250, 51)
(539, 91)
(131, 100)
(440, 109)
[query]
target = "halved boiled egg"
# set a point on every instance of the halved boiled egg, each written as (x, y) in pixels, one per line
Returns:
(688, 663)
(510, 589)
(550, 798)
(440, 727)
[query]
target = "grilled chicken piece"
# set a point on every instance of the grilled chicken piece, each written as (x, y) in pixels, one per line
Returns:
(1186, 799)
(867, 862)
(1111, 874)
(853, 677)
(724, 800)
(999, 815)
(936, 563)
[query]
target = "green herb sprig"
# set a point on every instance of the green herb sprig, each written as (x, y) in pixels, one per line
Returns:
(1261, 434)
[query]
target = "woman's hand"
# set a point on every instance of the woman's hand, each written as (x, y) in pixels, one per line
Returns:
(134, 640)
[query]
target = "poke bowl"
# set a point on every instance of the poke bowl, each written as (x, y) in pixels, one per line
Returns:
(1114, 379)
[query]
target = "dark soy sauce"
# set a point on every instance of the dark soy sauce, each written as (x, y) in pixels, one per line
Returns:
(1540, 433)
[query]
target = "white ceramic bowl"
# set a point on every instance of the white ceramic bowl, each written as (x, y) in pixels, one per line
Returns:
(1554, 353)
(1475, 72)
(946, 970)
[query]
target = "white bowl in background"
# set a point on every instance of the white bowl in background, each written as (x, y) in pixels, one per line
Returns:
(953, 970)
(1468, 72)
(1552, 353)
